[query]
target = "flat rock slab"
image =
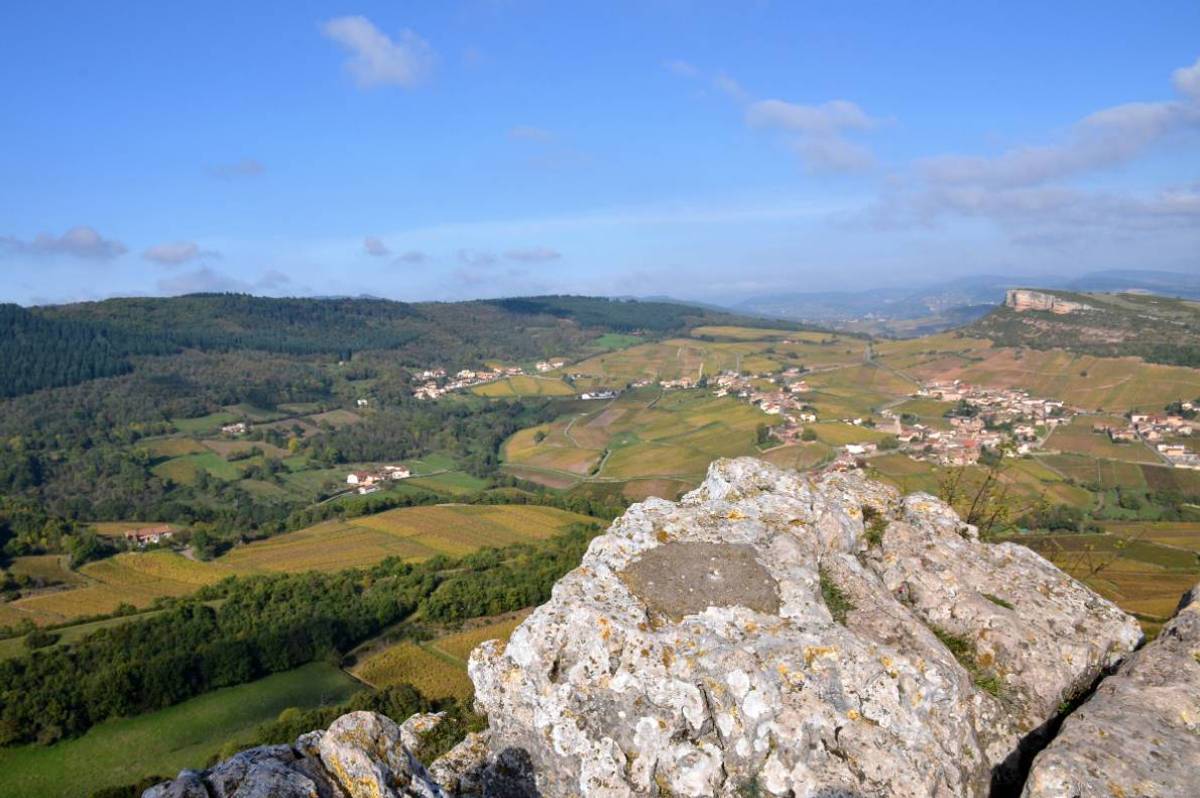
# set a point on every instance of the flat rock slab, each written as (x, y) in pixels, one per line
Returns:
(685, 578)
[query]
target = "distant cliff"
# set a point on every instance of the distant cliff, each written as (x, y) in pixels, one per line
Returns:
(1022, 299)
(780, 634)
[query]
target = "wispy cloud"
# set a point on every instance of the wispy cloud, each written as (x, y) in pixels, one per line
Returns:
(681, 68)
(78, 242)
(378, 60)
(533, 255)
(375, 247)
(1024, 190)
(1106, 138)
(818, 134)
(178, 252)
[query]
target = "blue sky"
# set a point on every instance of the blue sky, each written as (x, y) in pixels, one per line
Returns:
(707, 150)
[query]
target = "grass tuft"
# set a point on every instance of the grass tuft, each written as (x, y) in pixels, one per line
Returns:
(835, 600)
(964, 651)
(999, 602)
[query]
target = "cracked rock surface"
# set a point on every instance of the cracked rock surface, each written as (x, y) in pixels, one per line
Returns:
(750, 638)
(1139, 733)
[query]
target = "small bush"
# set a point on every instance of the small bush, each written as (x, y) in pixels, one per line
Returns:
(875, 525)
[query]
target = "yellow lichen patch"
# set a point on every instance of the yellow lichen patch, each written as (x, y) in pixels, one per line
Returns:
(811, 653)
(853, 714)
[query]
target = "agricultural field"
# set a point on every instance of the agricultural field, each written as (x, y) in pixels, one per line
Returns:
(435, 675)
(204, 425)
(411, 533)
(1145, 578)
(162, 743)
(1112, 385)
(49, 568)
(437, 667)
(131, 578)
(643, 435)
(524, 385)
(1077, 438)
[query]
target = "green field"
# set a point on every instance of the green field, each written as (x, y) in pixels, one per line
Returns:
(162, 743)
(204, 425)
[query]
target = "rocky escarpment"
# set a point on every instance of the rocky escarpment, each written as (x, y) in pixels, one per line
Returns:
(1022, 299)
(772, 633)
(1139, 734)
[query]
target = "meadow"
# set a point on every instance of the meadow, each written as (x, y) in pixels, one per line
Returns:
(162, 743)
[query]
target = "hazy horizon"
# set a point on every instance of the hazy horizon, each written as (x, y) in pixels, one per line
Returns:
(483, 149)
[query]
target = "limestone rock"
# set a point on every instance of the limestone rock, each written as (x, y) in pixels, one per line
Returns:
(361, 755)
(753, 637)
(1139, 733)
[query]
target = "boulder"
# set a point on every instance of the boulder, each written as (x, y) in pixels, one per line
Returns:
(361, 755)
(1139, 733)
(784, 634)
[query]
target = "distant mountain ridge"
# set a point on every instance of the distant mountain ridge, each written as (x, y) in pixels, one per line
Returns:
(951, 303)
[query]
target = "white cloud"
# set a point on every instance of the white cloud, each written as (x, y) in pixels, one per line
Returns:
(1106, 138)
(1187, 80)
(80, 242)
(375, 247)
(376, 59)
(174, 254)
(828, 119)
(730, 88)
(818, 132)
(533, 255)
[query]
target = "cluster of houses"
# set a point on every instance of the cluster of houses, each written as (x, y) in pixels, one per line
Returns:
(149, 535)
(1158, 430)
(237, 428)
(783, 398)
(437, 383)
(370, 481)
(995, 416)
(549, 365)
(601, 394)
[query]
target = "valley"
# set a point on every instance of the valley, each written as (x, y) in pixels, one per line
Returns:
(359, 470)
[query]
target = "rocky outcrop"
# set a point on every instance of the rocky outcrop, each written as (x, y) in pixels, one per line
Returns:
(1022, 299)
(1139, 734)
(361, 755)
(794, 636)
(771, 634)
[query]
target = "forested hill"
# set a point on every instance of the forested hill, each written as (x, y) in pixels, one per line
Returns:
(67, 344)
(1155, 328)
